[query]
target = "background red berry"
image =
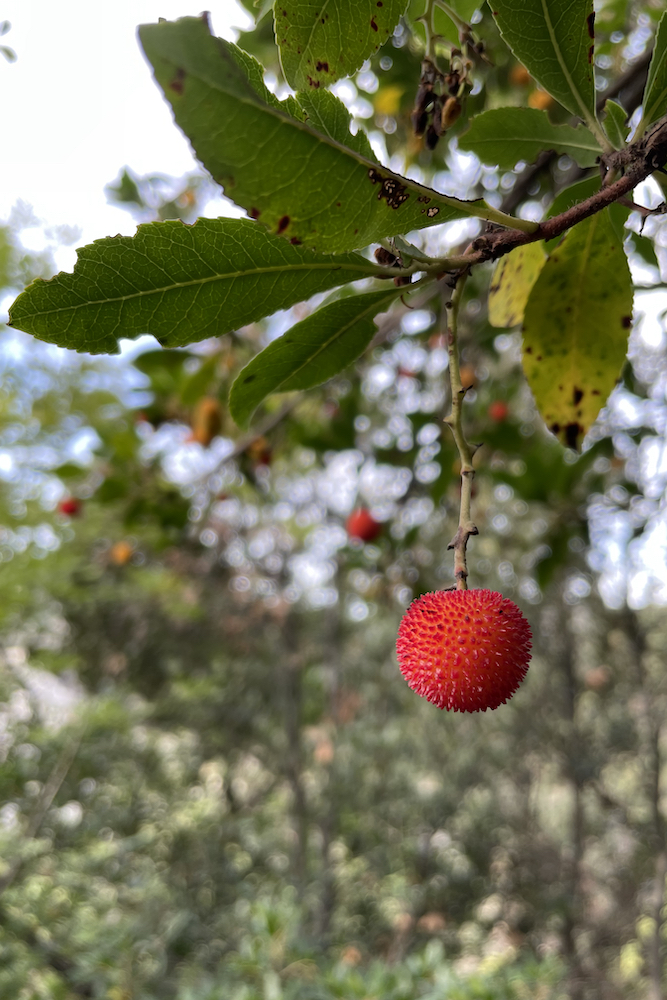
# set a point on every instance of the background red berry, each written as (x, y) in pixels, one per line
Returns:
(464, 650)
(70, 506)
(361, 524)
(499, 411)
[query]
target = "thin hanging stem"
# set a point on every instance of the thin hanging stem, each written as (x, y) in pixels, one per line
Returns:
(428, 20)
(466, 451)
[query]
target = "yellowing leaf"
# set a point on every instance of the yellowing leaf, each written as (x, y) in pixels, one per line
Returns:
(576, 326)
(512, 282)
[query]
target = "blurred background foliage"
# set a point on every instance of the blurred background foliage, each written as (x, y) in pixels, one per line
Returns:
(215, 782)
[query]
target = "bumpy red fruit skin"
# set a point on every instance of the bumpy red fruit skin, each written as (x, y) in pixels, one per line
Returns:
(361, 524)
(464, 650)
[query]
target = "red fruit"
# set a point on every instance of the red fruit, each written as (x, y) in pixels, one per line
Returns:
(70, 506)
(499, 411)
(464, 650)
(361, 524)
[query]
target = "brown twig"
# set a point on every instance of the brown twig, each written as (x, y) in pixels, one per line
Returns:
(637, 162)
(466, 526)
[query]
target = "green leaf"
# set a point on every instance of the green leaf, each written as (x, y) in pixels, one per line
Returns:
(311, 186)
(615, 124)
(554, 41)
(512, 282)
(576, 326)
(323, 40)
(69, 470)
(311, 352)
(125, 190)
(504, 136)
(198, 384)
(163, 368)
(464, 8)
(328, 115)
(655, 93)
(180, 283)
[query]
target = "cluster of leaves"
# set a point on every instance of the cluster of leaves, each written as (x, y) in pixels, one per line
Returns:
(328, 196)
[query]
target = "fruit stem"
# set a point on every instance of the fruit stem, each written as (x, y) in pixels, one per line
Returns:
(466, 526)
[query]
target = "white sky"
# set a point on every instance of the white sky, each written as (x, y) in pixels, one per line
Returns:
(80, 103)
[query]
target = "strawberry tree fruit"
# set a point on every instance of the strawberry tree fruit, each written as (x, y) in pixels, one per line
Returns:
(464, 650)
(70, 507)
(498, 411)
(361, 524)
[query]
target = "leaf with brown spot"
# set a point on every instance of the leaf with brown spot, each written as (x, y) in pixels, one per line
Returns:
(513, 279)
(551, 38)
(322, 42)
(294, 159)
(575, 322)
(180, 283)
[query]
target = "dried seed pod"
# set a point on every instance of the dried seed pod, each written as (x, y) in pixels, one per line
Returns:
(437, 117)
(385, 257)
(423, 101)
(424, 96)
(431, 137)
(453, 82)
(402, 279)
(419, 121)
(206, 421)
(451, 111)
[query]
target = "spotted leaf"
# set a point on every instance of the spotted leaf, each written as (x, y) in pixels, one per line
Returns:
(291, 166)
(554, 41)
(323, 40)
(180, 283)
(576, 325)
(512, 283)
